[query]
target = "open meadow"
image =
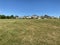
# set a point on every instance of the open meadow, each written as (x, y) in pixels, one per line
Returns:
(29, 32)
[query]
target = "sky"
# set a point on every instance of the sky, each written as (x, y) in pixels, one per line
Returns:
(30, 7)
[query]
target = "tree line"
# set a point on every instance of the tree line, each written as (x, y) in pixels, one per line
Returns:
(8, 17)
(27, 17)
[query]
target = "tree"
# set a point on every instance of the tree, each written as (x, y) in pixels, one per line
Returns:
(46, 16)
(12, 17)
(2, 16)
(16, 17)
(8, 17)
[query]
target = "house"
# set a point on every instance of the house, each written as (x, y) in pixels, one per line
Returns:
(17, 17)
(39, 17)
(28, 17)
(34, 17)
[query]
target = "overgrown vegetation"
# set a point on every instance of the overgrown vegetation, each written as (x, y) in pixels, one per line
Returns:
(29, 32)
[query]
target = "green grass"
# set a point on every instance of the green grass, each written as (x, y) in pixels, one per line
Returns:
(29, 32)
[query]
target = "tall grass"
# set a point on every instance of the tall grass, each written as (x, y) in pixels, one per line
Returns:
(29, 32)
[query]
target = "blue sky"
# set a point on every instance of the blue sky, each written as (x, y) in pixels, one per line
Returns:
(30, 7)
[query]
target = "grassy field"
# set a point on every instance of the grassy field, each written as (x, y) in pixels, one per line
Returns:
(29, 32)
